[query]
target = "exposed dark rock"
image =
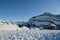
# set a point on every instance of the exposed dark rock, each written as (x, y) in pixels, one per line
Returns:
(43, 21)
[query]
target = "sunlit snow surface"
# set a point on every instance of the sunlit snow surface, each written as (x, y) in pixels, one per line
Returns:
(30, 34)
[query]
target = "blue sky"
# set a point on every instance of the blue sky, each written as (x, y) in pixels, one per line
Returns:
(23, 10)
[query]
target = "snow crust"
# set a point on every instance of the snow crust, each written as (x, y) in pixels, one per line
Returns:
(30, 34)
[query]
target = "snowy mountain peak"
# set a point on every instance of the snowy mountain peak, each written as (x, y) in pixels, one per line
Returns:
(3, 22)
(46, 21)
(46, 14)
(6, 22)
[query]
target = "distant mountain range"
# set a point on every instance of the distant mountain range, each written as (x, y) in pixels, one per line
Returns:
(43, 21)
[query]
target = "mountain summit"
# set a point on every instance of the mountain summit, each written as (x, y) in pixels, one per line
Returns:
(46, 14)
(45, 21)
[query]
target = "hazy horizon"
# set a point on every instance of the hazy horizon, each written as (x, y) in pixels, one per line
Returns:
(23, 10)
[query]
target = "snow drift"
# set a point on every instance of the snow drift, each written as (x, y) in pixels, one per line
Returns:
(4, 25)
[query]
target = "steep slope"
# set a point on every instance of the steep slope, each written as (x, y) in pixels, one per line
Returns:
(45, 21)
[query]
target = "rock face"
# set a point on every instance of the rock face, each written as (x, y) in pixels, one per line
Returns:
(45, 21)
(21, 24)
(8, 26)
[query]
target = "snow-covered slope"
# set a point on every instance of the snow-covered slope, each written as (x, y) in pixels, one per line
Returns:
(31, 34)
(45, 20)
(4, 25)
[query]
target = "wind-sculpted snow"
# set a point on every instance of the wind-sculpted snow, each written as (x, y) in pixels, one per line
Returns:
(30, 34)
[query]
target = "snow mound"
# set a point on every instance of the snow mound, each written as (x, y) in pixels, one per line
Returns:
(4, 25)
